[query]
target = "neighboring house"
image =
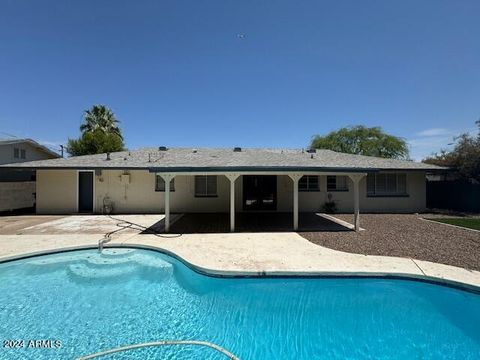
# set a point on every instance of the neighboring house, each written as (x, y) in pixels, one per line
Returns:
(228, 180)
(17, 188)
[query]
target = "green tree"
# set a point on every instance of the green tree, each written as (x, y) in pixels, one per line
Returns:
(99, 117)
(464, 158)
(363, 140)
(100, 133)
(94, 142)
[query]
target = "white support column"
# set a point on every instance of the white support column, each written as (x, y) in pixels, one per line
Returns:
(295, 178)
(356, 198)
(167, 178)
(232, 178)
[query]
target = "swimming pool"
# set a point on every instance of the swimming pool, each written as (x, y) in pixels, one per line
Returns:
(89, 302)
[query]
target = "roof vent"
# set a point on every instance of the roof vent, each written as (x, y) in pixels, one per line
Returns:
(162, 148)
(312, 151)
(194, 151)
(108, 156)
(237, 149)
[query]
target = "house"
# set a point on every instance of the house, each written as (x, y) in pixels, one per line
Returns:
(183, 180)
(17, 188)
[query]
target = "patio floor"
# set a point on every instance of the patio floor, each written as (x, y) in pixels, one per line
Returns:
(251, 222)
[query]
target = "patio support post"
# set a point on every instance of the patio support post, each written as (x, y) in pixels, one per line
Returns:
(232, 178)
(167, 178)
(295, 178)
(356, 198)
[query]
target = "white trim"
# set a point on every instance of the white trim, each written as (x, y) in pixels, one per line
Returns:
(356, 198)
(167, 178)
(77, 193)
(232, 178)
(295, 178)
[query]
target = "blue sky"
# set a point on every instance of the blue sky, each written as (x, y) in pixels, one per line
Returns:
(241, 73)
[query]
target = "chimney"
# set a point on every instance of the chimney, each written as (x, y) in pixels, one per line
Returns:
(108, 156)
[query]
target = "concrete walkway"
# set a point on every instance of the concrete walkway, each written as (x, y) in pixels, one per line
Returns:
(244, 254)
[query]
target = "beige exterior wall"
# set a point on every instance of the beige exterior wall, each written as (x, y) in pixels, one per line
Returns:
(57, 193)
(139, 195)
(414, 202)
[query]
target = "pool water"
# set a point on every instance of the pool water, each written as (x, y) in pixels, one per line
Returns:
(91, 302)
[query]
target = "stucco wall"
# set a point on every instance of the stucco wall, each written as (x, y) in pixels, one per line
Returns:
(57, 193)
(414, 202)
(16, 195)
(139, 194)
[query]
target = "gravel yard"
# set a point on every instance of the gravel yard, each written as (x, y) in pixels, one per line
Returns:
(405, 235)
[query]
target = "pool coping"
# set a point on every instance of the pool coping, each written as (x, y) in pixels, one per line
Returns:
(436, 280)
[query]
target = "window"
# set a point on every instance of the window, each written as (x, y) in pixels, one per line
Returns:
(308, 183)
(23, 154)
(391, 184)
(337, 183)
(160, 184)
(205, 186)
(16, 153)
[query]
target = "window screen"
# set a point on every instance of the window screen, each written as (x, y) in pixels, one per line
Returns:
(387, 184)
(160, 184)
(205, 185)
(337, 183)
(308, 183)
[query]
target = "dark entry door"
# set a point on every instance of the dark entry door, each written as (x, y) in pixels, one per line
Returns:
(85, 191)
(259, 192)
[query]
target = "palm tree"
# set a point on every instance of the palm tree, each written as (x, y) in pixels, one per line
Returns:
(99, 117)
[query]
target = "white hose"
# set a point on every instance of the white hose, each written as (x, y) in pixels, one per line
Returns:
(162, 343)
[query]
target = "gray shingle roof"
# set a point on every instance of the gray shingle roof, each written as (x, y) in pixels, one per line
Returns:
(216, 159)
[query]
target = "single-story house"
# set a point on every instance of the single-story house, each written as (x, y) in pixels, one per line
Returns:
(182, 180)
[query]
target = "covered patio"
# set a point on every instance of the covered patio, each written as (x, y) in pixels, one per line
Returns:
(272, 220)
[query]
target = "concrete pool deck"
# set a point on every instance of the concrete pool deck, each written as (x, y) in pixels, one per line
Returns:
(252, 254)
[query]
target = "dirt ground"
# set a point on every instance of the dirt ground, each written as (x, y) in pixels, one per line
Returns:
(405, 235)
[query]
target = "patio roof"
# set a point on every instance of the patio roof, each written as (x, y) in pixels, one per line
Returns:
(226, 159)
